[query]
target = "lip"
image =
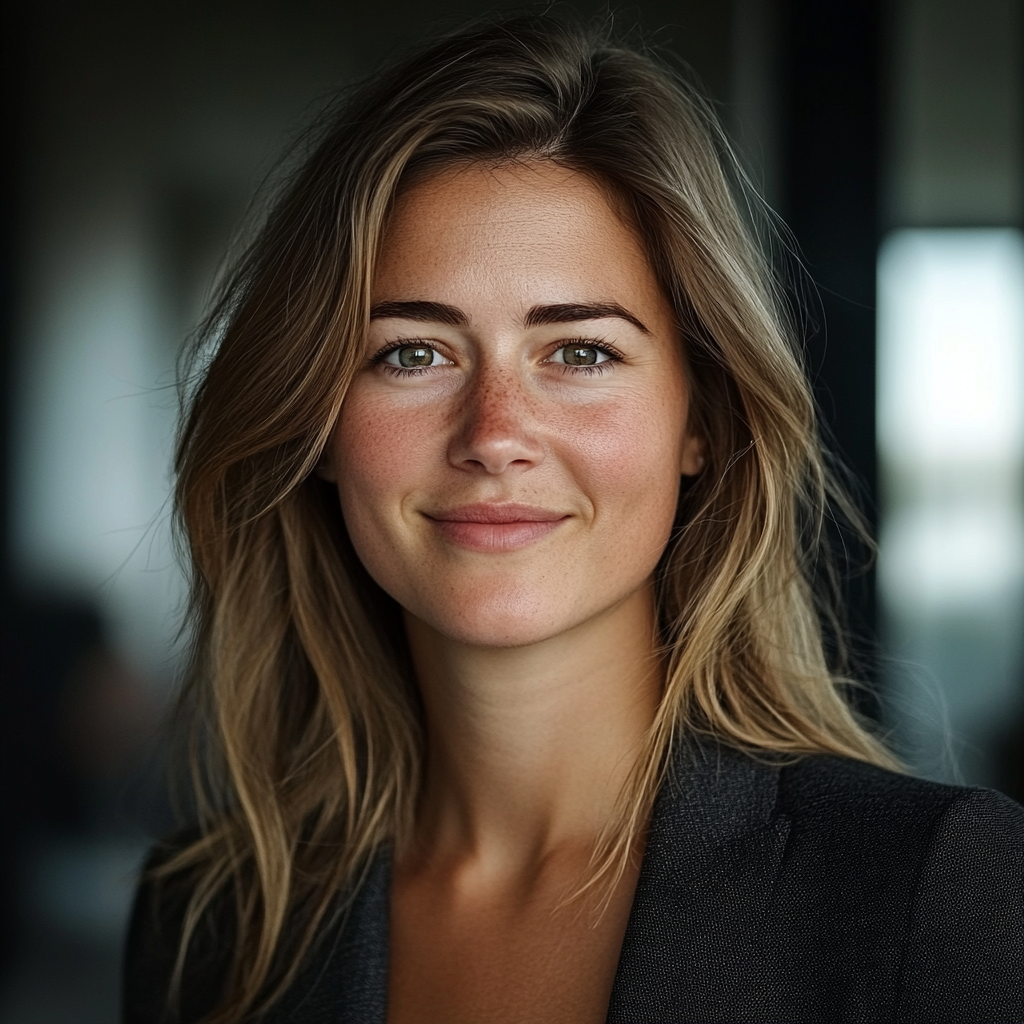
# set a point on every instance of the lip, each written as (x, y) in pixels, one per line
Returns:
(504, 526)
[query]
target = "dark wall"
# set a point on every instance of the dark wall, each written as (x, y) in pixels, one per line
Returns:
(830, 121)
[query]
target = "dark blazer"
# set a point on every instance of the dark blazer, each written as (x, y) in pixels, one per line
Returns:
(825, 890)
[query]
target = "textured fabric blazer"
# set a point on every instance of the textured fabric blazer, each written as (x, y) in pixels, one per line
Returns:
(825, 890)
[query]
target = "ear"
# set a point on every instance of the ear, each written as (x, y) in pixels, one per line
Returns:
(693, 458)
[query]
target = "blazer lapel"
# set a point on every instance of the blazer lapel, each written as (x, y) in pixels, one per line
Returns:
(696, 945)
(694, 948)
(346, 980)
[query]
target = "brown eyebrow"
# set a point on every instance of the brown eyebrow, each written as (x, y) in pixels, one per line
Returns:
(569, 312)
(421, 312)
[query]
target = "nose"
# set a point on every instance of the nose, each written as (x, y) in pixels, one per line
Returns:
(496, 427)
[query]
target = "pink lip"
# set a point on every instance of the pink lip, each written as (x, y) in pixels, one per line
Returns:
(496, 527)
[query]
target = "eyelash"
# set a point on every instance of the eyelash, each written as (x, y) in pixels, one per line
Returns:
(613, 354)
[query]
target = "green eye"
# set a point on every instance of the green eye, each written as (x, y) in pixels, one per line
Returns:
(411, 356)
(580, 355)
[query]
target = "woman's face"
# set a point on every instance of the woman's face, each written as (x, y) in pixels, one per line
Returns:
(508, 459)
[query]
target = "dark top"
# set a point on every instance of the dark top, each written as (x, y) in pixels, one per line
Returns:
(825, 890)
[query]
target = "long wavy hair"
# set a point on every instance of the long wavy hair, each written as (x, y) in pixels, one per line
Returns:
(307, 737)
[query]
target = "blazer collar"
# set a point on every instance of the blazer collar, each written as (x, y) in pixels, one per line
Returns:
(346, 979)
(696, 932)
(712, 853)
(712, 793)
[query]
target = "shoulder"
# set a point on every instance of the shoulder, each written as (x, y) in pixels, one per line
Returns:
(877, 824)
(344, 975)
(852, 798)
(930, 873)
(153, 941)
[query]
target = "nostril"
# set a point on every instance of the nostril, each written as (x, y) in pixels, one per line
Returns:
(497, 432)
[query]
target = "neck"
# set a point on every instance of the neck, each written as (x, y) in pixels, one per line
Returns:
(528, 748)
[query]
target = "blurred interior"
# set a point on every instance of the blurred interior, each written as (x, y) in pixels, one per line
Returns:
(889, 137)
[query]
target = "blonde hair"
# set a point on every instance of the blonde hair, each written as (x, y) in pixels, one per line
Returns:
(307, 737)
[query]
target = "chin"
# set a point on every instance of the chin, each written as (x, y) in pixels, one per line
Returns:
(499, 620)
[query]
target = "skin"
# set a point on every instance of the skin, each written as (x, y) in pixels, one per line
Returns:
(533, 640)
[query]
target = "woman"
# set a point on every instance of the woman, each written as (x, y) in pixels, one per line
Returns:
(503, 497)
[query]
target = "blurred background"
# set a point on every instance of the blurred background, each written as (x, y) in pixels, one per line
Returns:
(889, 137)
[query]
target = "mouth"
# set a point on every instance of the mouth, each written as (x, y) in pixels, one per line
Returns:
(486, 526)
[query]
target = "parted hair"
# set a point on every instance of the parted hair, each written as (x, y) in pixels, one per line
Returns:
(305, 723)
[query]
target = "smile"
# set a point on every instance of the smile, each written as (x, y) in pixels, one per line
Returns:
(496, 527)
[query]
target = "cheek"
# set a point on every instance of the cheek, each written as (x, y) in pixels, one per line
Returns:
(627, 462)
(630, 455)
(377, 453)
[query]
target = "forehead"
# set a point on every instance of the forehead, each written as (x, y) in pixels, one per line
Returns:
(533, 227)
